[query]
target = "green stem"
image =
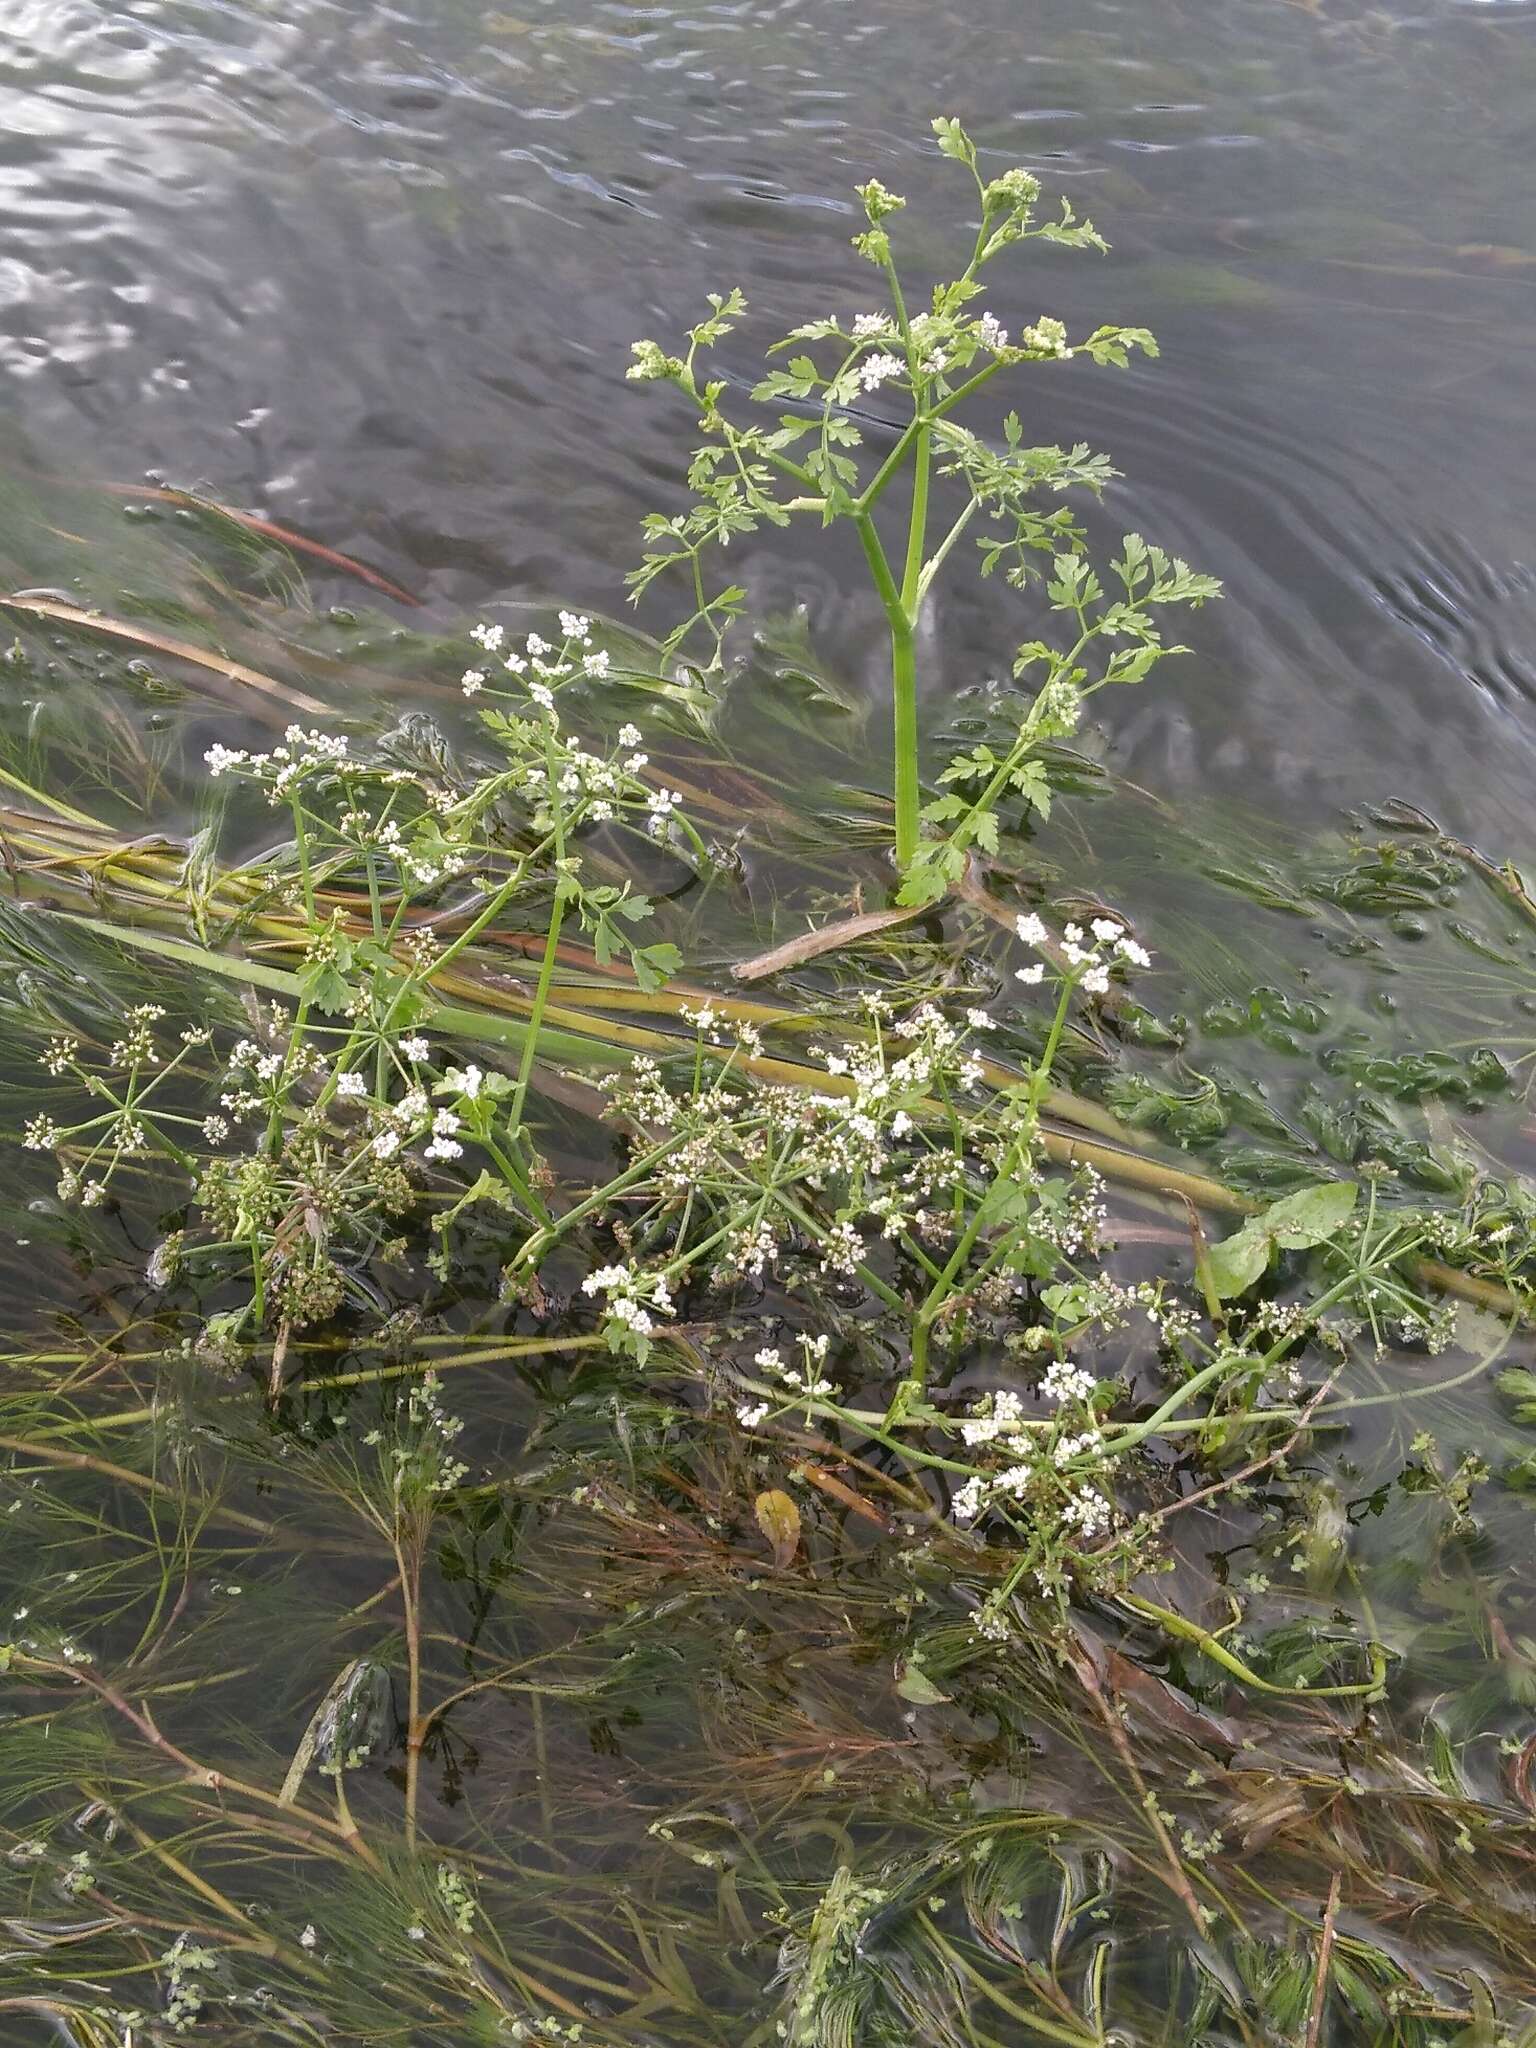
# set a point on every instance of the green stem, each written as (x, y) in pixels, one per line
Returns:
(1018, 1154)
(536, 1012)
(936, 560)
(904, 660)
(917, 526)
(551, 940)
(903, 685)
(908, 793)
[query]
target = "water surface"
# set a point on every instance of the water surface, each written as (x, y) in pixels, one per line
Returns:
(374, 271)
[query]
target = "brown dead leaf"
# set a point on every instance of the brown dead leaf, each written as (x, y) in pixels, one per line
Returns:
(837, 1489)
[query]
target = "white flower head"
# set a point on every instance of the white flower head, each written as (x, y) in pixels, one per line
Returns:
(874, 370)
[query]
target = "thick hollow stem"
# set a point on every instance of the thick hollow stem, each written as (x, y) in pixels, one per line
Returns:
(903, 690)
(904, 658)
(904, 743)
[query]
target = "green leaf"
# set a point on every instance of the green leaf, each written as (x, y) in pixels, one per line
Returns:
(953, 141)
(811, 330)
(655, 965)
(488, 1188)
(914, 1684)
(1311, 1216)
(937, 867)
(1520, 1387)
(1238, 1261)
(781, 384)
(632, 907)
(1132, 665)
(1031, 782)
(324, 987)
(1111, 346)
(789, 431)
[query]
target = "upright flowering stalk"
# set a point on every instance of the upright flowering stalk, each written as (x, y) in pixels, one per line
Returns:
(924, 365)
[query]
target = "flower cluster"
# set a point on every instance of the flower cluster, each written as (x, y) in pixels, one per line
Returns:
(1087, 954)
(541, 666)
(301, 755)
(806, 1381)
(632, 1299)
(1050, 1470)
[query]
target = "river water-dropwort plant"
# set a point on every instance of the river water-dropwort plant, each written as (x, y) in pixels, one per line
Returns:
(811, 462)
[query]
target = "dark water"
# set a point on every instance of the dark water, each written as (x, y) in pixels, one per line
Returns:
(373, 270)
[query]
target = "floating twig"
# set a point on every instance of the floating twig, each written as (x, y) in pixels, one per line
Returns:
(811, 945)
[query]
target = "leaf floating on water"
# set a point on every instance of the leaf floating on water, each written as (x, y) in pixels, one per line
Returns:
(1297, 1222)
(1311, 1215)
(779, 1520)
(1237, 1262)
(838, 1490)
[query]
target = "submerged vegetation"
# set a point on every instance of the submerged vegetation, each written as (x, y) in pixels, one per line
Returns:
(619, 1447)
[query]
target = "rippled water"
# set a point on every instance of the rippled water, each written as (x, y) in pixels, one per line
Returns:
(373, 270)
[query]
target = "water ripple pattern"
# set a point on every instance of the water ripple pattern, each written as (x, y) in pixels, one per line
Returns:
(374, 270)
